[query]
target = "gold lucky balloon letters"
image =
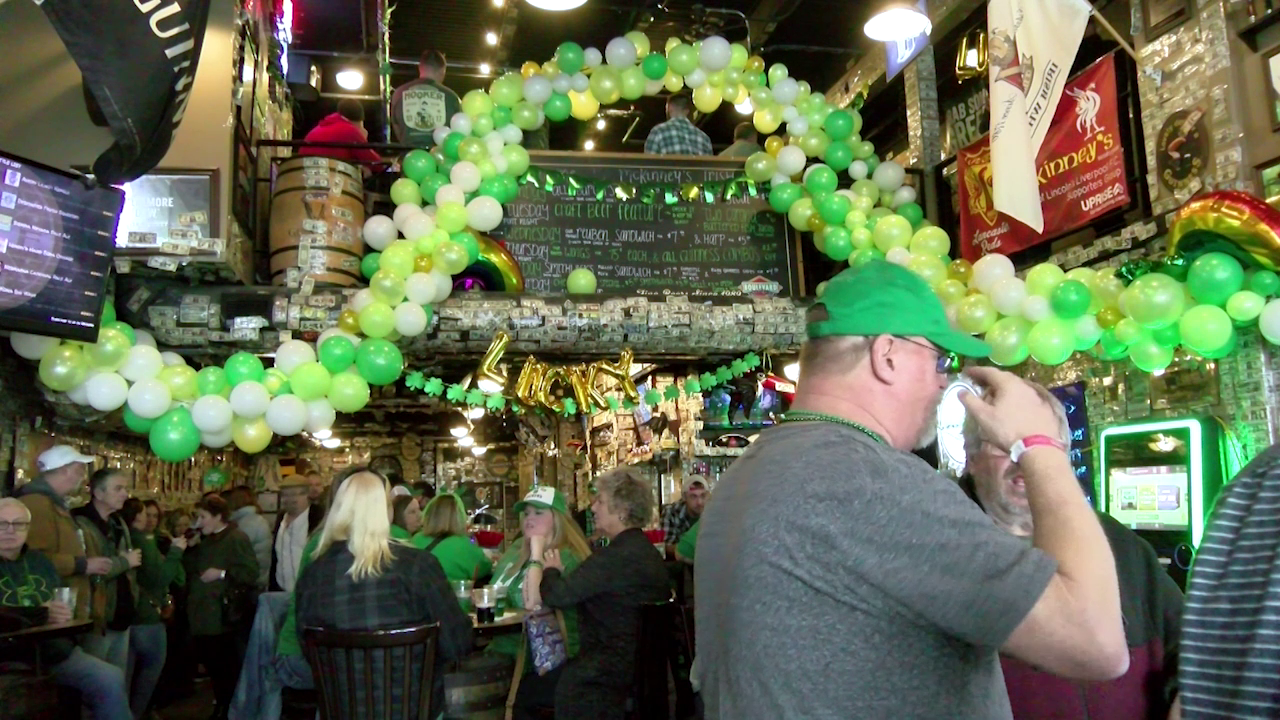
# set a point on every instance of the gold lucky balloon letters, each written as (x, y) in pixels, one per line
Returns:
(489, 371)
(541, 384)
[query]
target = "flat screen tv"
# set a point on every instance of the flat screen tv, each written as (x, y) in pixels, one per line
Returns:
(1148, 475)
(57, 238)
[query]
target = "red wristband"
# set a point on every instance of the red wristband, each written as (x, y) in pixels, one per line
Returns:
(1022, 446)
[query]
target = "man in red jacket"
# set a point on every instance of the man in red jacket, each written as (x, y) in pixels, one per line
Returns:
(344, 126)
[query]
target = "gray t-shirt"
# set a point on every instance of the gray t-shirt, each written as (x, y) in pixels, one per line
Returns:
(841, 579)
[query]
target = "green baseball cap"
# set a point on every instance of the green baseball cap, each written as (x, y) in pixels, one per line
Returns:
(545, 497)
(880, 298)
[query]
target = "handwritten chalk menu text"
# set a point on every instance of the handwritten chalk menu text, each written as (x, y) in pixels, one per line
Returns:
(56, 246)
(729, 247)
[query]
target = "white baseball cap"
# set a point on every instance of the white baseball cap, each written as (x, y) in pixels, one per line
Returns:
(691, 480)
(60, 456)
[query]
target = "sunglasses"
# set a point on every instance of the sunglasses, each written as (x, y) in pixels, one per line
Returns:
(948, 362)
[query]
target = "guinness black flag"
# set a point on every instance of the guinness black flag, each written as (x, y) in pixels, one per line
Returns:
(138, 58)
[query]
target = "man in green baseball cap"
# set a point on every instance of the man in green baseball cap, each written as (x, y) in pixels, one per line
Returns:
(828, 526)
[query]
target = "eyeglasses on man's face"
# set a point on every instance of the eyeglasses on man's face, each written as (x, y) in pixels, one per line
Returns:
(948, 362)
(14, 525)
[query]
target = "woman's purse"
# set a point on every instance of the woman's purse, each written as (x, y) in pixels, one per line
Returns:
(548, 645)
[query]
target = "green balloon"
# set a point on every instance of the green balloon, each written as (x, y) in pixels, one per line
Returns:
(821, 179)
(654, 66)
(1070, 299)
(836, 241)
(580, 281)
(451, 144)
(125, 328)
(1245, 306)
(865, 255)
(337, 353)
(377, 320)
(833, 209)
(108, 312)
(871, 160)
(777, 73)
(1008, 341)
(418, 164)
(379, 361)
(242, 367)
(1168, 336)
(682, 59)
(912, 212)
(1150, 355)
(525, 115)
(174, 437)
(1214, 277)
(1051, 341)
(1221, 352)
(839, 125)
(1128, 332)
(63, 368)
(369, 265)
(838, 156)
(348, 392)
(311, 380)
(212, 381)
(1153, 300)
(783, 195)
(405, 192)
(482, 125)
(1205, 328)
(1109, 348)
(570, 57)
(1264, 282)
(111, 349)
(469, 243)
(501, 117)
(276, 382)
(140, 425)
(431, 185)
(557, 107)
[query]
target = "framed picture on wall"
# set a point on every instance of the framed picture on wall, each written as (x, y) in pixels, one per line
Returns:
(1271, 71)
(1161, 16)
(1270, 173)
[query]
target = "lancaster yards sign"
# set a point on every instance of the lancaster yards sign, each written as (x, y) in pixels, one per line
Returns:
(1080, 169)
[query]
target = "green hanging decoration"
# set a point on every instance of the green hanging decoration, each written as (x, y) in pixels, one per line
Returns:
(456, 393)
(434, 387)
(475, 397)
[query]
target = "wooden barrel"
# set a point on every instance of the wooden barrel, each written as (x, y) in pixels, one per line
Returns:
(478, 689)
(317, 217)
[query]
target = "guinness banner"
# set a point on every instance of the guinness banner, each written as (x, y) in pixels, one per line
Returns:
(1080, 171)
(138, 58)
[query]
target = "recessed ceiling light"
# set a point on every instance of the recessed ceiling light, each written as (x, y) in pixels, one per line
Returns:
(332, 443)
(322, 434)
(466, 441)
(498, 3)
(485, 68)
(350, 79)
(479, 450)
(491, 37)
(475, 413)
(458, 431)
(489, 386)
(589, 145)
(897, 21)
(556, 5)
(744, 107)
(600, 124)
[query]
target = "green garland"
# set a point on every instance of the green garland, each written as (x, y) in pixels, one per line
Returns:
(461, 397)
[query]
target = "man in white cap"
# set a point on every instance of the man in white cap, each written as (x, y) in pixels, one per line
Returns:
(53, 531)
(680, 515)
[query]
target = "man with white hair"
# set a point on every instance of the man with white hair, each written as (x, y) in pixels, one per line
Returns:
(1149, 599)
(27, 582)
(839, 576)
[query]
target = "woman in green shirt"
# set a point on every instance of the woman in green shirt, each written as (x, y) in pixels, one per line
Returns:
(444, 534)
(546, 525)
(148, 641)
(406, 517)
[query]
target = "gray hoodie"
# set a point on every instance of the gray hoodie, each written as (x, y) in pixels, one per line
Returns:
(255, 526)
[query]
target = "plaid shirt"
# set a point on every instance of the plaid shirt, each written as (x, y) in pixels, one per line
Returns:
(411, 591)
(677, 136)
(676, 521)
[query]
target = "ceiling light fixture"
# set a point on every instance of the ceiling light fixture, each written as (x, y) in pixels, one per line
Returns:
(589, 145)
(479, 450)
(350, 79)
(489, 386)
(556, 5)
(458, 431)
(491, 37)
(600, 124)
(498, 3)
(466, 441)
(485, 68)
(332, 443)
(322, 434)
(791, 371)
(744, 107)
(897, 21)
(475, 413)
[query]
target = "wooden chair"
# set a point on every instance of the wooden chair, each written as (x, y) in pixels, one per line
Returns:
(373, 675)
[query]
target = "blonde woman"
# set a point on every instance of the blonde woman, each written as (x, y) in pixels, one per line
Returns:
(546, 525)
(444, 534)
(359, 579)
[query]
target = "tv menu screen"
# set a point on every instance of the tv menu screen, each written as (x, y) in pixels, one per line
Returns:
(56, 244)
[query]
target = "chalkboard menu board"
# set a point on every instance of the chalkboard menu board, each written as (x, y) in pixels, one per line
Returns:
(729, 247)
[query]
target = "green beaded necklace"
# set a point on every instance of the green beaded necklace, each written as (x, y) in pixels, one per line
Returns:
(805, 416)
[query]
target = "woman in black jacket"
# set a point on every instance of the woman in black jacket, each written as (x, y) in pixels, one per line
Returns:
(608, 589)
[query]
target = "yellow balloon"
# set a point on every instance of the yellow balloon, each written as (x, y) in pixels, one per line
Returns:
(672, 41)
(529, 69)
(251, 436)
(583, 106)
(743, 95)
(707, 98)
(773, 144)
(641, 41)
(550, 68)
(673, 82)
(766, 121)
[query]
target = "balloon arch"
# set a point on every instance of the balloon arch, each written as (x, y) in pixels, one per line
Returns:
(451, 195)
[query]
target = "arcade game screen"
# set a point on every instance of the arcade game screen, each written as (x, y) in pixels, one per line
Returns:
(1149, 479)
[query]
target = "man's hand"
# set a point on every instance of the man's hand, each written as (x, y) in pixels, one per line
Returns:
(134, 557)
(58, 612)
(211, 575)
(98, 566)
(551, 559)
(1010, 408)
(1175, 712)
(179, 542)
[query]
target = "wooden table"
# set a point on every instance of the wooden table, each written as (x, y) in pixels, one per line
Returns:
(511, 622)
(40, 633)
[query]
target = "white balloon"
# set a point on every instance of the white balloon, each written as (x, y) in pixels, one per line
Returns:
(499, 162)
(172, 358)
(579, 82)
(786, 91)
(537, 89)
(420, 288)
(898, 255)
(217, 439)
(293, 353)
(320, 415)
(493, 142)
(1088, 329)
(149, 398)
(249, 399)
(32, 347)
(211, 413)
(451, 193)
(779, 178)
(858, 170)
(80, 393)
(851, 195)
(1008, 294)
(143, 337)
(653, 87)
(790, 160)
(444, 286)
(798, 127)
(888, 175)
(903, 195)
(362, 299)
(696, 79)
(461, 123)
(716, 53)
(592, 57)
(989, 269)
(411, 319)
(403, 213)
(418, 226)
(512, 135)
(790, 114)
(141, 363)
(439, 134)
(286, 415)
(107, 391)
(484, 213)
(562, 84)
(620, 52)
(466, 176)
(379, 232)
(1269, 322)
(1036, 308)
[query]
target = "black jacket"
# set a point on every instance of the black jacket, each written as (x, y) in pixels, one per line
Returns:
(315, 516)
